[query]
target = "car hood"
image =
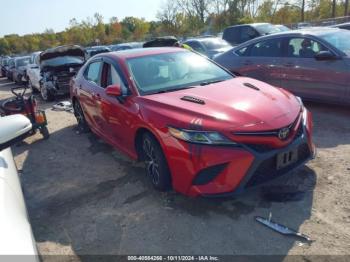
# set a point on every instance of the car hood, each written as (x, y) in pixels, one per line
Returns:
(241, 104)
(70, 50)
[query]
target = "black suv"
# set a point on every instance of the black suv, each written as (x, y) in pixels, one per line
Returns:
(238, 34)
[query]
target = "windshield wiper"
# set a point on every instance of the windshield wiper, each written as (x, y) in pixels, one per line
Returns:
(172, 90)
(210, 82)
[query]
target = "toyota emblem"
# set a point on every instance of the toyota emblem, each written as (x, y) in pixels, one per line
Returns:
(283, 133)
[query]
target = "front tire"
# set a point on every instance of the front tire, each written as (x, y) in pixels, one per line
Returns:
(156, 164)
(79, 115)
(46, 95)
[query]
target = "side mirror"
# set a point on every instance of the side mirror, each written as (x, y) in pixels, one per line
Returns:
(114, 90)
(13, 129)
(325, 55)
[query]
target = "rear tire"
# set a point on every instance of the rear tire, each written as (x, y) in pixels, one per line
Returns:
(156, 164)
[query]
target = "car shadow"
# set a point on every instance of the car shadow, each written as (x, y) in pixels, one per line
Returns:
(85, 197)
(328, 121)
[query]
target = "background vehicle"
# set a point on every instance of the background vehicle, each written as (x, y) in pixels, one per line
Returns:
(165, 41)
(238, 34)
(208, 46)
(4, 65)
(312, 63)
(94, 50)
(26, 105)
(20, 68)
(196, 126)
(57, 66)
(282, 28)
(126, 46)
(10, 68)
(343, 26)
(17, 237)
(33, 72)
(303, 25)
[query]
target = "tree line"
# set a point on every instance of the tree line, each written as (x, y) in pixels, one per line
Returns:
(177, 17)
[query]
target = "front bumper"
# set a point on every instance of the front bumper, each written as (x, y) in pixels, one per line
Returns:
(231, 170)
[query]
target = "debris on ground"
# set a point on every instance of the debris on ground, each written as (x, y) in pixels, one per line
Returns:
(63, 106)
(282, 229)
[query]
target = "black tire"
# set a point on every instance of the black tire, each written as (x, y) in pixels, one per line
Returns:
(44, 132)
(46, 95)
(79, 115)
(156, 164)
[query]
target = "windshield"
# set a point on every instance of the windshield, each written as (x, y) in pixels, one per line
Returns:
(213, 44)
(266, 29)
(62, 60)
(339, 39)
(23, 61)
(173, 71)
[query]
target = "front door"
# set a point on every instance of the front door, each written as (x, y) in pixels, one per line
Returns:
(309, 78)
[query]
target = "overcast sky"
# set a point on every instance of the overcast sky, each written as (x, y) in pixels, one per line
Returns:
(34, 16)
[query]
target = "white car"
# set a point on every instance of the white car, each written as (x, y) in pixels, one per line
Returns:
(16, 236)
(33, 72)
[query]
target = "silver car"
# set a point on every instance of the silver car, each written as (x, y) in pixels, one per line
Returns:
(312, 63)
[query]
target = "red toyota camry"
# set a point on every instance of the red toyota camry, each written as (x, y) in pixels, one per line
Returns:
(199, 129)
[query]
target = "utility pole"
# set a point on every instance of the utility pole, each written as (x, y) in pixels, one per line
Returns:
(303, 11)
(346, 9)
(334, 7)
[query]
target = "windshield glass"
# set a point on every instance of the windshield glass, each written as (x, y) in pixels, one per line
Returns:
(213, 44)
(23, 61)
(173, 71)
(266, 29)
(62, 60)
(339, 39)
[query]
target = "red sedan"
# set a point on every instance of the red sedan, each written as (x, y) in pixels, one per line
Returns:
(199, 130)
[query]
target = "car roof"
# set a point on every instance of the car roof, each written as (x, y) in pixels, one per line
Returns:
(313, 31)
(139, 52)
(347, 23)
(253, 25)
(203, 39)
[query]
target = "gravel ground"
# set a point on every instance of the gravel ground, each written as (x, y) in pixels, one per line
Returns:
(84, 197)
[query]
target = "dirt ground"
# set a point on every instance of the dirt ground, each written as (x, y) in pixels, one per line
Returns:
(84, 197)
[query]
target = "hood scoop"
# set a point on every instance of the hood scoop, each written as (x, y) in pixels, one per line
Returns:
(193, 100)
(251, 86)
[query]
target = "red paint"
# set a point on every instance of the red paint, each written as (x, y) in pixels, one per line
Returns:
(229, 107)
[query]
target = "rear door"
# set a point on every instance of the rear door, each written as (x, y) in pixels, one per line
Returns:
(262, 61)
(309, 78)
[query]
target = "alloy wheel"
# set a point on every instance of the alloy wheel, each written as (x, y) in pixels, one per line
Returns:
(152, 164)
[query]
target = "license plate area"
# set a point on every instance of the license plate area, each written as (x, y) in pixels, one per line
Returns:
(287, 158)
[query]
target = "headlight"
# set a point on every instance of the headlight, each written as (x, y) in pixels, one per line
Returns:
(200, 137)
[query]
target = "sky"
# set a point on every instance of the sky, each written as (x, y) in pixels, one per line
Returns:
(34, 16)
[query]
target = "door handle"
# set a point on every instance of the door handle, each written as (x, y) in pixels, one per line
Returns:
(96, 96)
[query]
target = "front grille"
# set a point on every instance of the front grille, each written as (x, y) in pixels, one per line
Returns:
(260, 148)
(267, 170)
(62, 82)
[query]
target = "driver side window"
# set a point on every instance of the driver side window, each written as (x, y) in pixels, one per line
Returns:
(303, 48)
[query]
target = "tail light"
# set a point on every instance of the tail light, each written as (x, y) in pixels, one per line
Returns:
(39, 117)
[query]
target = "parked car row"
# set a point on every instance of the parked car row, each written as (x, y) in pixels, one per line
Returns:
(313, 63)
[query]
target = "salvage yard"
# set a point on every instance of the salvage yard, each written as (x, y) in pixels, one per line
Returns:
(84, 197)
